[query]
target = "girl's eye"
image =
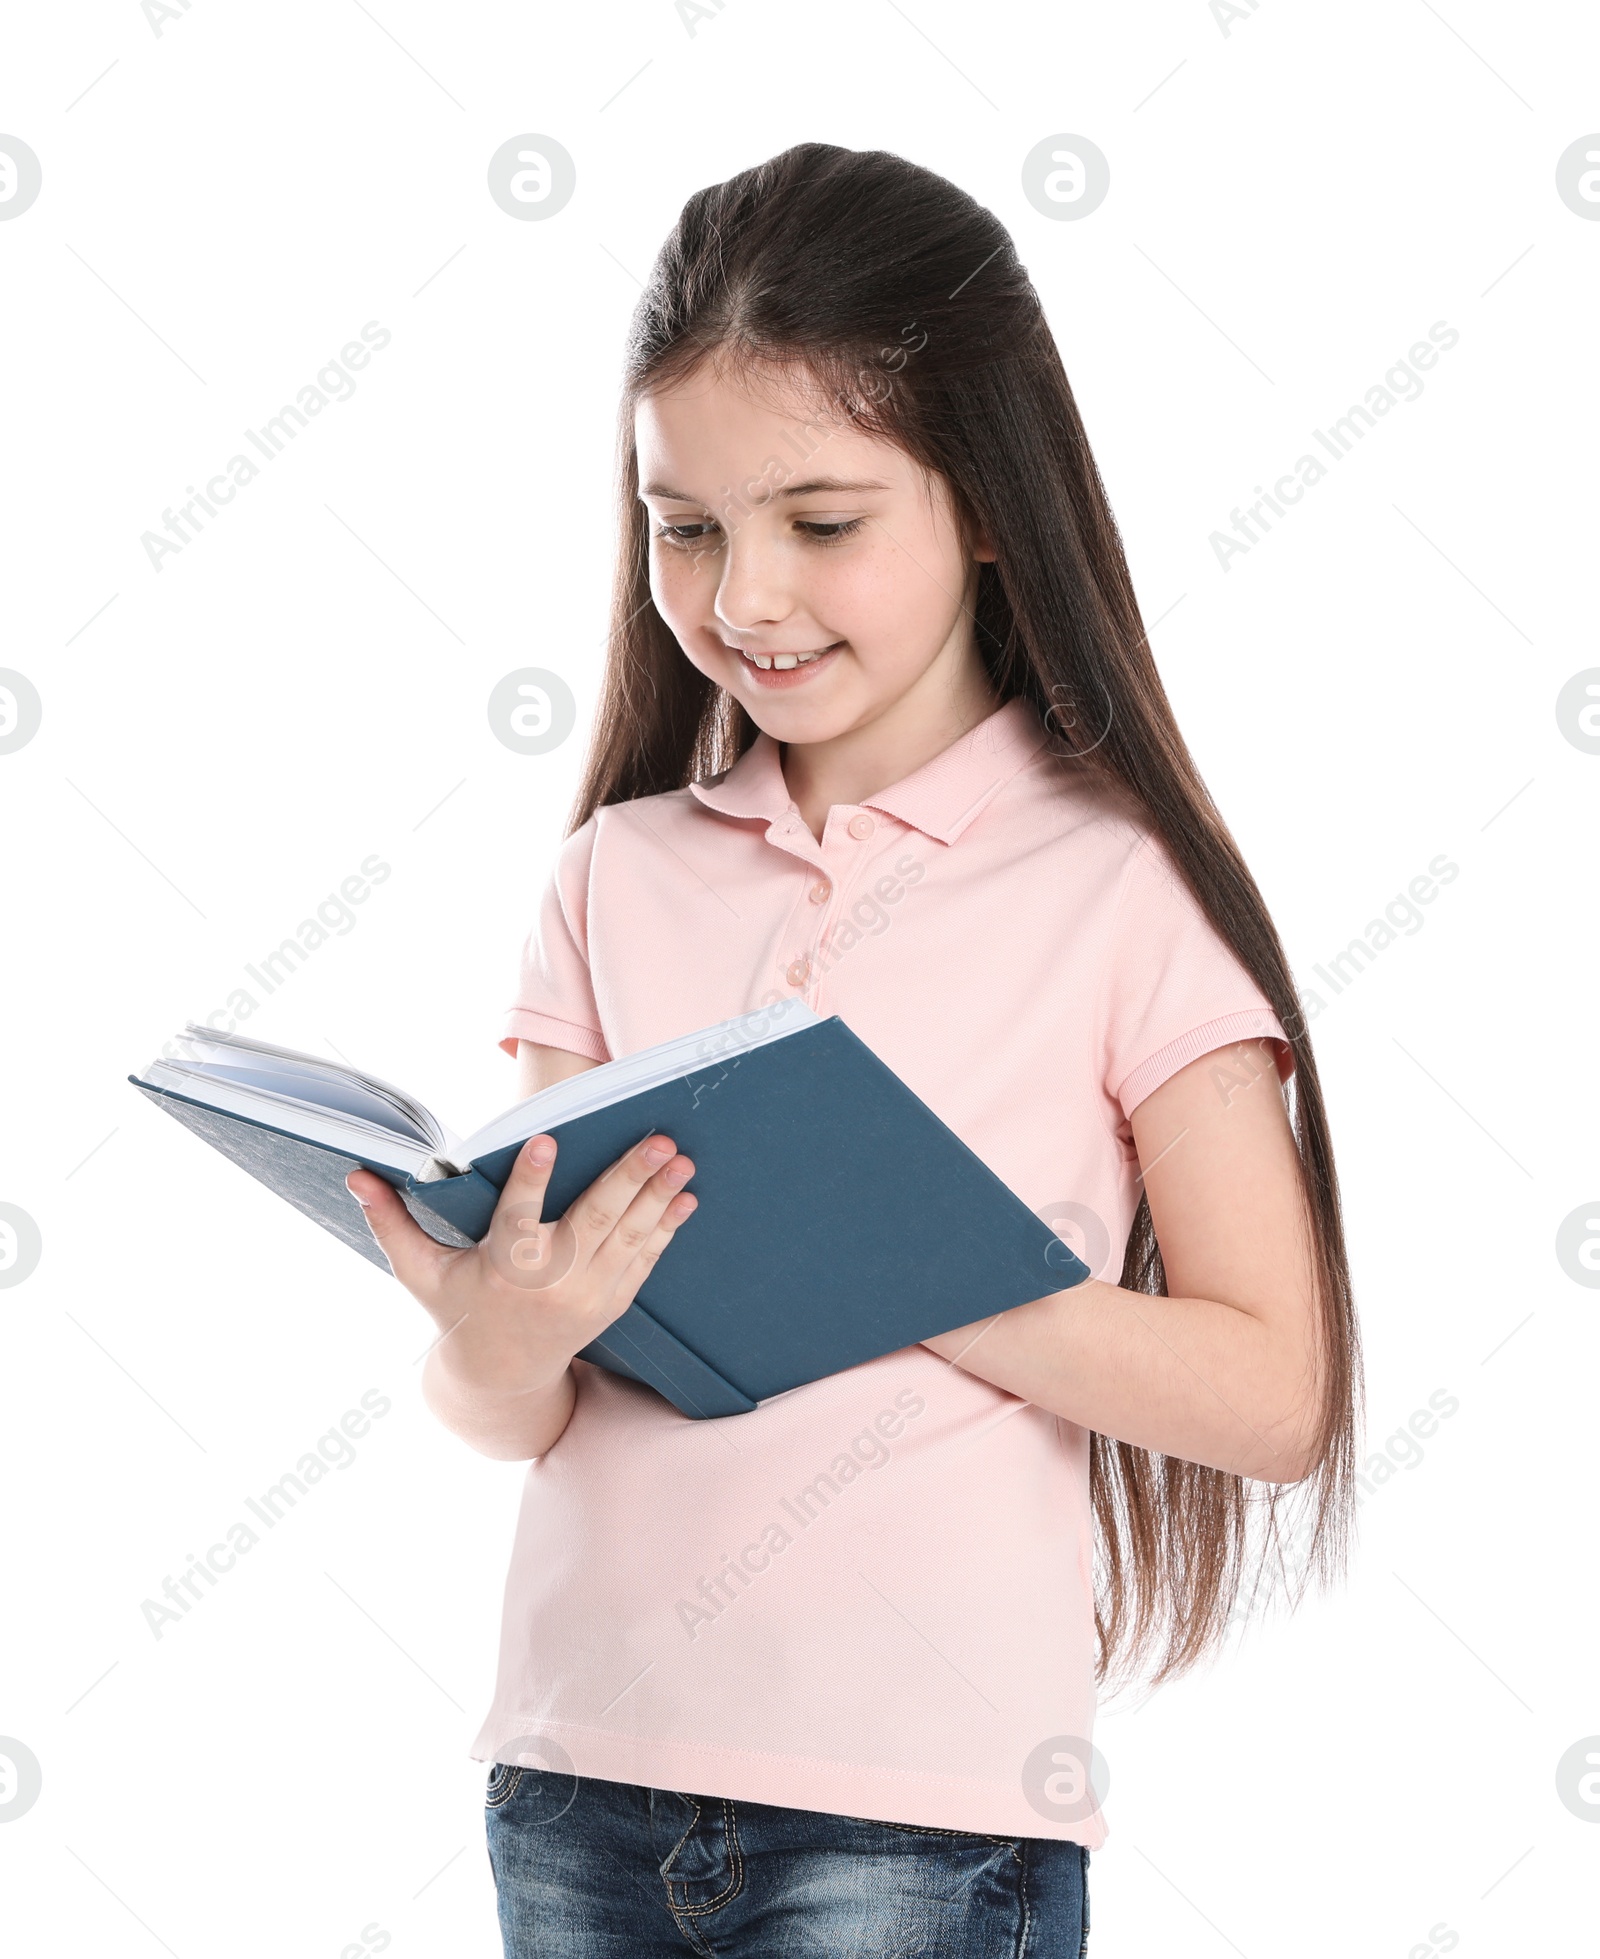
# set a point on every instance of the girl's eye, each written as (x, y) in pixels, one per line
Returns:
(696, 532)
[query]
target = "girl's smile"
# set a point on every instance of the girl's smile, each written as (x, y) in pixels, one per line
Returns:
(769, 668)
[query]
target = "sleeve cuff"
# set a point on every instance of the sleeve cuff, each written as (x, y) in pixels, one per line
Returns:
(1253, 1023)
(523, 1024)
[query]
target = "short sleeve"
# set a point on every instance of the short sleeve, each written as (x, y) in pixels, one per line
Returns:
(1173, 989)
(554, 1003)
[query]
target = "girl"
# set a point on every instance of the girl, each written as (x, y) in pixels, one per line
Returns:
(880, 729)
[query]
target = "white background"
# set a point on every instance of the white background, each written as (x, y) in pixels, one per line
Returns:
(1293, 203)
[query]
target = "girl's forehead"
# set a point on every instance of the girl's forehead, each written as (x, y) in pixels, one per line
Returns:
(731, 394)
(712, 416)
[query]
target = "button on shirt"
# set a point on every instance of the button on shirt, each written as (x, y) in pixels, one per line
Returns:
(872, 1594)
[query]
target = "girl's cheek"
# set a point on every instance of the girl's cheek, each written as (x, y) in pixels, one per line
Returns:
(875, 593)
(675, 587)
(895, 611)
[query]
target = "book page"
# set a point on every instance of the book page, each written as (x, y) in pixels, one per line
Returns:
(615, 1081)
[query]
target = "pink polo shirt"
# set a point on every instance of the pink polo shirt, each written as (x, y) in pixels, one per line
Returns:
(873, 1594)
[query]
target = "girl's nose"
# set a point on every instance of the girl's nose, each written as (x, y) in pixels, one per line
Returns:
(754, 590)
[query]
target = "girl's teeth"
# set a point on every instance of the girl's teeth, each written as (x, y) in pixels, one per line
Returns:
(782, 659)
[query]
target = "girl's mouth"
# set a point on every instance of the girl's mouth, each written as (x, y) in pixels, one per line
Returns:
(777, 670)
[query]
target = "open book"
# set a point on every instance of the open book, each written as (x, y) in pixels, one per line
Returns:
(839, 1218)
(331, 1103)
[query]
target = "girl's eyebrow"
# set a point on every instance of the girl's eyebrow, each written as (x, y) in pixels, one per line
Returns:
(813, 487)
(819, 483)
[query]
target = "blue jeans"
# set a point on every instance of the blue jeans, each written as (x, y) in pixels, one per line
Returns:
(586, 1869)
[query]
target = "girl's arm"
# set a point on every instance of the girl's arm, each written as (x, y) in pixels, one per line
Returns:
(1224, 1371)
(540, 1067)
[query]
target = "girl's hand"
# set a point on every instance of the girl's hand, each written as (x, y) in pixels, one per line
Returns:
(514, 1309)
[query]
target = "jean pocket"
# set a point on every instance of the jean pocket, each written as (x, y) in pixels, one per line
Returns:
(504, 1780)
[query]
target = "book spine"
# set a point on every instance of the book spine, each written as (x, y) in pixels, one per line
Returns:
(640, 1348)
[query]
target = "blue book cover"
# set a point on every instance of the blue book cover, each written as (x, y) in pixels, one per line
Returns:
(839, 1218)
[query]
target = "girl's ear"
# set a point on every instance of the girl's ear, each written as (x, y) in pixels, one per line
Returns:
(982, 550)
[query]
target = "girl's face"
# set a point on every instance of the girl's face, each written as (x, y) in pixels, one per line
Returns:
(783, 537)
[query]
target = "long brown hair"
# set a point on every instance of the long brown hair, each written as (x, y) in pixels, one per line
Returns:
(902, 304)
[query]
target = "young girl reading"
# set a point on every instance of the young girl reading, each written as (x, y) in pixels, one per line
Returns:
(880, 730)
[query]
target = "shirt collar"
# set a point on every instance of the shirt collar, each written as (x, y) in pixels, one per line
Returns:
(941, 798)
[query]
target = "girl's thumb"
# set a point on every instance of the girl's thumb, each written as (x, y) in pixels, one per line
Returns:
(375, 1198)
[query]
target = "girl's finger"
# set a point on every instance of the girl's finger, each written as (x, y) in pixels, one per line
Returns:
(655, 1241)
(519, 1245)
(414, 1258)
(530, 1177)
(593, 1214)
(636, 1228)
(534, 1253)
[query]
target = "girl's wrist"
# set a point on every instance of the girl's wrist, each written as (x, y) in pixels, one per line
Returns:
(508, 1424)
(495, 1370)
